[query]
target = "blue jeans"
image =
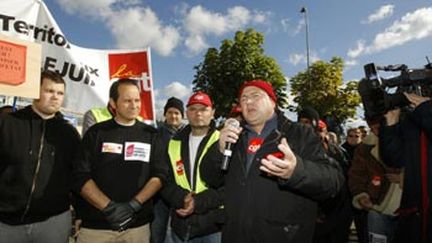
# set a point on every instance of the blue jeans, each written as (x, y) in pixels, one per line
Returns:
(55, 229)
(211, 238)
(381, 226)
(159, 226)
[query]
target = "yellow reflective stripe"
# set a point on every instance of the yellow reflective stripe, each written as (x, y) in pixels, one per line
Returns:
(174, 152)
(101, 114)
(200, 186)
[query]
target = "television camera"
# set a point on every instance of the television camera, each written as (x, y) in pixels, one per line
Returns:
(375, 91)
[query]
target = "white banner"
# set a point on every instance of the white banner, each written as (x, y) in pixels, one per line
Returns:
(88, 72)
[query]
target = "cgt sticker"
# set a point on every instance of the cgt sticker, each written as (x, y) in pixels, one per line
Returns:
(179, 167)
(376, 180)
(254, 145)
(136, 151)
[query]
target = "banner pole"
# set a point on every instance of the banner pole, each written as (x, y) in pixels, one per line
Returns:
(14, 104)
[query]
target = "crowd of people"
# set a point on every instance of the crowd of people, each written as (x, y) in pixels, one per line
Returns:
(284, 181)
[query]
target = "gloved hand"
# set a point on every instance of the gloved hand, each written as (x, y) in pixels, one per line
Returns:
(135, 205)
(121, 215)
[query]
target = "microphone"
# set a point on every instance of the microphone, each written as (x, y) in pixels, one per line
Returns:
(227, 152)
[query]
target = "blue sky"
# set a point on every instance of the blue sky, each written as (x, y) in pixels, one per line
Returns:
(179, 32)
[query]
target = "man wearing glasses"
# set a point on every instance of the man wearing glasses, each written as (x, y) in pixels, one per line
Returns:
(354, 138)
(278, 170)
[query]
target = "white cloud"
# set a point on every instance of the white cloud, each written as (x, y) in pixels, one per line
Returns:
(140, 27)
(134, 26)
(201, 23)
(413, 26)
(296, 58)
(382, 13)
(131, 26)
(358, 50)
(178, 90)
(285, 24)
(299, 27)
(175, 89)
(351, 62)
(96, 7)
(299, 58)
(260, 17)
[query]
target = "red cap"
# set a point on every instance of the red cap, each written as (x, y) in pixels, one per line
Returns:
(266, 86)
(322, 124)
(200, 98)
(236, 110)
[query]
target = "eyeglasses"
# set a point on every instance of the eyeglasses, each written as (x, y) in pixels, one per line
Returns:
(253, 97)
(353, 136)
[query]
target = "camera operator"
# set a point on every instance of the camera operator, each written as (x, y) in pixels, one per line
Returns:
(407, 143)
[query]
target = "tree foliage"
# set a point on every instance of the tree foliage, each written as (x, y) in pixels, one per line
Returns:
(322, 87)
(242, 59)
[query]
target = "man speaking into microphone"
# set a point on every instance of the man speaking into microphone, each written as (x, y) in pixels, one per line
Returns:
(277, 173)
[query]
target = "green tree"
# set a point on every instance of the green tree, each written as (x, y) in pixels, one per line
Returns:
(242, 59)
(321, 87)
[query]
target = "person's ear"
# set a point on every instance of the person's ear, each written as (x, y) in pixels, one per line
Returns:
(112, 103)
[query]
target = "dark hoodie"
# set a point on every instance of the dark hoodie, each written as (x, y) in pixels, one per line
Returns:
(40, 152)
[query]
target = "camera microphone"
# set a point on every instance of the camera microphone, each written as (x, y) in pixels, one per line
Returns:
(227, 151)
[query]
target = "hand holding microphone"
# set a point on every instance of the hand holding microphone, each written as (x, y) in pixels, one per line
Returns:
(228, 136)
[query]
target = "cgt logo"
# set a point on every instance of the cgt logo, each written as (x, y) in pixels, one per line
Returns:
(254, 145)
(130, 150)
(179, 167)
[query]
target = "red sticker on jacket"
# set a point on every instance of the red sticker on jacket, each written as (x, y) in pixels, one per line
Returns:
(180, 167)
(376, 180)
(254, 145)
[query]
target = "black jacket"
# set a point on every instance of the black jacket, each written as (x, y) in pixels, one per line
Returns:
(262, 208)
(24, 137)
(207, 217)
(401, 147)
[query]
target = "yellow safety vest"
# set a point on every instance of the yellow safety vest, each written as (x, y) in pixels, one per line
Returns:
(174, 151)
(101, 114)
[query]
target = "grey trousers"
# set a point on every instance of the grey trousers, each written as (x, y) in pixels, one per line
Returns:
(53, 230)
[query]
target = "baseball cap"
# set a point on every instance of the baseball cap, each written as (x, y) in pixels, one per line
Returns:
(200, 98)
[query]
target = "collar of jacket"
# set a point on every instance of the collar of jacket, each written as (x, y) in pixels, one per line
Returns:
(28, 110)
(171, 129)
(281, 119)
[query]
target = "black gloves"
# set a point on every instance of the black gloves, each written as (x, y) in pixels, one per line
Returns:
(135, 205)
(121, 215)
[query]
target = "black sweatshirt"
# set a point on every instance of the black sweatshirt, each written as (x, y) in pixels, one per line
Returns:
(120, 159)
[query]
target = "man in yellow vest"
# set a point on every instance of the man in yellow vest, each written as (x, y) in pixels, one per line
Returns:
(197, 209)
(96, 115)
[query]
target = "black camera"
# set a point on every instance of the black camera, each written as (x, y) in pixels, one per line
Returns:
(375, 90)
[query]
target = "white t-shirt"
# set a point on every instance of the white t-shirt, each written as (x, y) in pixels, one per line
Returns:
(194, 142)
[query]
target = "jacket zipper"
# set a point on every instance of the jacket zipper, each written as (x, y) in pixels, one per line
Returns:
(29, 200)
